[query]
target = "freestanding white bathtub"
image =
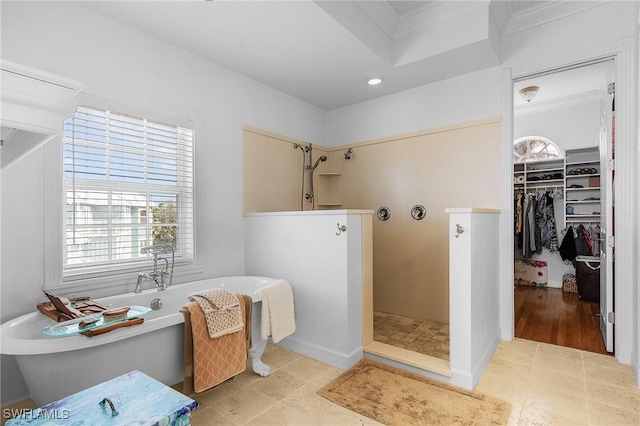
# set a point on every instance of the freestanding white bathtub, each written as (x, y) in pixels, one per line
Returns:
(55, 367)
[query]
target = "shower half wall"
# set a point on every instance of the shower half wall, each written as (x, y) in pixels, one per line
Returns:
(454, 166)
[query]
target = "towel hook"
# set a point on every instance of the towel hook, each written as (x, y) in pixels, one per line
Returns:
(459, 230)
(341, 229)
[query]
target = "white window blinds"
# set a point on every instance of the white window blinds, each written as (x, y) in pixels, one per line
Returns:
(128, 183)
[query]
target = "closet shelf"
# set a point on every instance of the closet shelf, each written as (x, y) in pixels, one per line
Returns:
(523, 172)
(574, 159)
(544, 182)
(582, 210)
(553, 169)
(583, 176)
(578, 163)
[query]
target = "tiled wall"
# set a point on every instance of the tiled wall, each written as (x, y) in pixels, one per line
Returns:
(457, 166)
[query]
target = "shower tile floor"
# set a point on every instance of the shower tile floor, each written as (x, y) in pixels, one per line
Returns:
(423, 336)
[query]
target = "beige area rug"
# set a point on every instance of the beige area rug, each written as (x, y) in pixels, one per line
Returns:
(393, 396)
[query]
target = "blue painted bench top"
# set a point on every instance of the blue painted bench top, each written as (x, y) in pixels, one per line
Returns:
(137, 398)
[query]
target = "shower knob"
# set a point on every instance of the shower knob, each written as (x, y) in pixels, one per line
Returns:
(418, 212)
(383, 213)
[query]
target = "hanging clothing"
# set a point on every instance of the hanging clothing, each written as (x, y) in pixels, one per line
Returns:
(575, 243)
(567, 249)
(529, 226)
(583, 242)
(518, 212)
(518, 220)
(548, 230)
(540, 221)
(551, 213)
(594, 234)
(534, 221)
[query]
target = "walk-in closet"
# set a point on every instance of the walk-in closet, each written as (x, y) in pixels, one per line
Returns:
(564, 138)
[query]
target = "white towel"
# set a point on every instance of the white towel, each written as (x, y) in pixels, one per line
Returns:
(277, 317)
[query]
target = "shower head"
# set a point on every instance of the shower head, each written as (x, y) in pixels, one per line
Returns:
(347, 155)
(321, 159)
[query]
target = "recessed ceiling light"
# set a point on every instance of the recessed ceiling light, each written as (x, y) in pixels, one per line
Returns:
(374, 81)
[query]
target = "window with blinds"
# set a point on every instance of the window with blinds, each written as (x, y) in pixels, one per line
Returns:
(128, 183)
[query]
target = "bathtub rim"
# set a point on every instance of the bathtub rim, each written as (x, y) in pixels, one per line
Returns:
(12, 345)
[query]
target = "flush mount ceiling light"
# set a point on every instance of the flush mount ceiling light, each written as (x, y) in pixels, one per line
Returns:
(374, 81)
(528, 93)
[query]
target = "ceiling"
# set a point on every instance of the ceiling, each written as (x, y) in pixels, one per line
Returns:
(590, 79)
(322, 51)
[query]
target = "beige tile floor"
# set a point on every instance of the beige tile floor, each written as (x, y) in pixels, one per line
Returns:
(555, 385)
(423, 336)
(287, 397)
(546, 385)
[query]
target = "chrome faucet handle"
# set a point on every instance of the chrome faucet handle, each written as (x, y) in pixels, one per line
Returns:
(154, 250)
(159, 274)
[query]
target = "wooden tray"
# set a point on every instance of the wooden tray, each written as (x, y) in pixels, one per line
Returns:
(86, 307)
(72, 326)
(107, 328)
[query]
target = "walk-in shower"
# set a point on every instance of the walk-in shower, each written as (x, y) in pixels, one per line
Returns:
(306, 165)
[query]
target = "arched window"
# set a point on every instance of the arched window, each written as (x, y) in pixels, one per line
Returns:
(534, 148)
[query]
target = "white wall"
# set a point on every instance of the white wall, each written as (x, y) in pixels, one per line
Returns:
(570, 123)
(474, 292)
(105, 56)
(326, 272)
(461, 99)
(636, 312)
(567, 36)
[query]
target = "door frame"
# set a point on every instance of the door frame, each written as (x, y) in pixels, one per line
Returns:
(623, 54)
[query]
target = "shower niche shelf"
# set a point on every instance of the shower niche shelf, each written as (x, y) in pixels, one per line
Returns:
(329, 189)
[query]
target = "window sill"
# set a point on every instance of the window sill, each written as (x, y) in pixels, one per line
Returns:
(184, 271)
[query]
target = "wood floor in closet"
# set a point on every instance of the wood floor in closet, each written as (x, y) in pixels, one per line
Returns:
(550, 315)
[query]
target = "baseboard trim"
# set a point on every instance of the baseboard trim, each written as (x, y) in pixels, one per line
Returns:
(328, 356)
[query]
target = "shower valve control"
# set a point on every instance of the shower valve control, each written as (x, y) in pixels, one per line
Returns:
(459, 230)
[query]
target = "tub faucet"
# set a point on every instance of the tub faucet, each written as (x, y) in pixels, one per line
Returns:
(161, 275)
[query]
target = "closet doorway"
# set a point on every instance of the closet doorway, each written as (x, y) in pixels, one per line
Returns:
(564, 124)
